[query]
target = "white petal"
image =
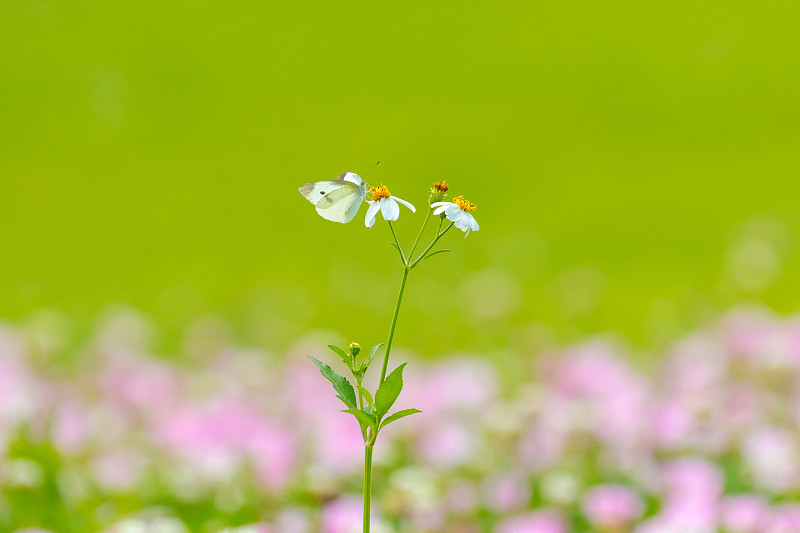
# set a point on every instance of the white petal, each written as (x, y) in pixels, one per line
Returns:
(440, 204)
(372, 210)
(441, 209)
(389, 209)
(454, 213)
(473, 224)
(407, 204)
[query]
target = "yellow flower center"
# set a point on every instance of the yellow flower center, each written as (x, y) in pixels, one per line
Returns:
(379, 192)
(464, 204)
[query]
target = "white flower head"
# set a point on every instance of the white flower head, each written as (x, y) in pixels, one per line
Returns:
(383, 201)
(459, 212)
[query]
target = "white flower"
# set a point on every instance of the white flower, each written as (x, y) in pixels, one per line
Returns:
(459, 212)
(383, 200)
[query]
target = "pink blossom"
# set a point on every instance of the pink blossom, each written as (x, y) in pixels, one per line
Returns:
(506, 492)
(536, 522)
(693, 479)
(447, 445)
(454, 386)
(217, 439)
(345, 515)
(744, 514)
(118, 469)
(150, 387)
(463, 497)
(612, 506)
(70, 430)
(785, 519)
(671, 424)
(772, 457)
(338, 444)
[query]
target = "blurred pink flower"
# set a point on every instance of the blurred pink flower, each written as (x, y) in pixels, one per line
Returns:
(338, 444)
(693, 479)
(671, 424)
(544, 444)
(217, 439)
(612, 507)
(772, 456)
(70, 426)
(118, 469)
(447, 445)
(292, 520)
(345, 515)
(745, 513)
(536, 522)
(693, 488)
(591, 369)
(785, 519)
(463, 497)
(152, 388)
(506, 492)
(459, 385)
(20, 394)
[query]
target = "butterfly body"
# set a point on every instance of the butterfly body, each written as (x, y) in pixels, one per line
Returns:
(336, 200)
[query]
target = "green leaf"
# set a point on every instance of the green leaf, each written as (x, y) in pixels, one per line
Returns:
(364, 392)
(342, 355)
(372, 352)
(388, 391)
(345, 402)
(362, 417)
(398, 415)
(346, 392)
(436, 252)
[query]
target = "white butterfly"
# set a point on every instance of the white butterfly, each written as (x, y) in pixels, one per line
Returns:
(336, 200)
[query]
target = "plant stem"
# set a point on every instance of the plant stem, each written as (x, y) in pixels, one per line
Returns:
(360, 406)
(399, 249)
(367, 484)
(428, 249)
(421, 231)
(394, 323)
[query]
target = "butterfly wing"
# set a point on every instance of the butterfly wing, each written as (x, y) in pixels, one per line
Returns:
(342, 204)
(315, 190)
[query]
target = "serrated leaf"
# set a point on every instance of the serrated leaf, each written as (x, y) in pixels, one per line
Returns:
(362, 417)
(366, 395)
(372, 352)
(398, 415)
(346, 392)
(343, 401)
(341, 353)
(389, 390)
(436, 252)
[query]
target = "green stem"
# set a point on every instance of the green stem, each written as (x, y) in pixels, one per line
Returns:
(399, 249)
(431, 245)
(421, 231)
(394, 323)
(360, 406)
(367, 484)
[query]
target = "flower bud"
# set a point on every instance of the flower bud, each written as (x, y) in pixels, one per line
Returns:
(438, 191)
(355, 349)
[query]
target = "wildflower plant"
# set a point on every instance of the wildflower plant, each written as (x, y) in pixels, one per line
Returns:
(343, 196)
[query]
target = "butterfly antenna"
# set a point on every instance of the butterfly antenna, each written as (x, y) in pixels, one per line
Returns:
(373, 168)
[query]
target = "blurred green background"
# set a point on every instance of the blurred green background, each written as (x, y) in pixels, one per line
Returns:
(635, 165)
